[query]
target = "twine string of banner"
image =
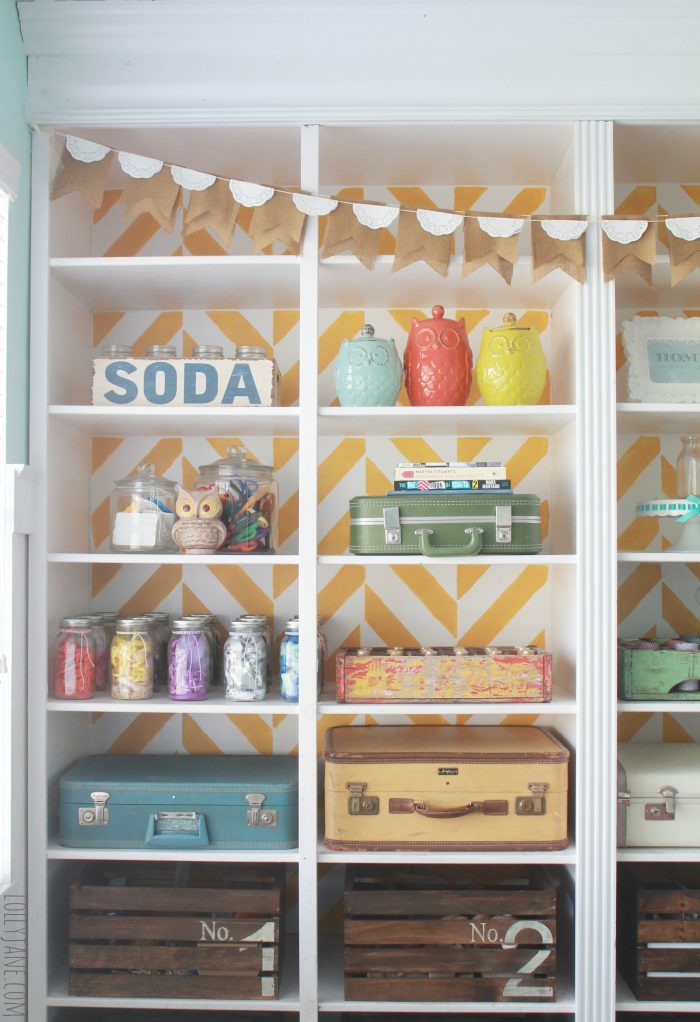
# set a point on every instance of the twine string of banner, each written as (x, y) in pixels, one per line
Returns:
(279, 215)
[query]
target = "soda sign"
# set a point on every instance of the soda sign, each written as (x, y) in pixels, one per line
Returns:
(180, 381)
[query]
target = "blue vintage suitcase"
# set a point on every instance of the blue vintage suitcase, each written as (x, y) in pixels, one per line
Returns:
(180, 802)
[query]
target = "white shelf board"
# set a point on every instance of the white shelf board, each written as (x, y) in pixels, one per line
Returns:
(105, 284)
(331, 994)
(476, 420)
(132, 421)
(562, 702)
(656, 557)
(221, 559)
(57, 851)
(658, 419)
(550, 560)
(631, 293)
(626, 1001)
(658, 854)
(344, 283)
(566, 856)
(660, 706)
(163, 704)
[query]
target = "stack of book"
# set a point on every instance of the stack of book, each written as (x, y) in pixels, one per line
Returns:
(450, 476)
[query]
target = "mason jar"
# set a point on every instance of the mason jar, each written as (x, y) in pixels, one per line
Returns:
(161, 352)
(289, 662)
(131, 657)
(211, 630)
(210, 352)
(102, 640)
(142, 512)
(250, 498)
(261, 621)
(189, 660)
(245, 663)
(74, 673)
(159, 623)
(116, 351)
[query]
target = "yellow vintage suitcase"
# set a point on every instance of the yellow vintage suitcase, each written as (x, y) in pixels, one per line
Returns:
(452, 788)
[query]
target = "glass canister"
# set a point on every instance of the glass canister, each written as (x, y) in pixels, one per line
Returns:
(189, 660)
(688, 468)
(160, 352)
(245, 662)
(289, 662)
(250, 498)
(74, 663)
(102, 640)
(142, 512)
(131, 657)
(368, 371)
(261, 622)
(159, 623)
(209, 352)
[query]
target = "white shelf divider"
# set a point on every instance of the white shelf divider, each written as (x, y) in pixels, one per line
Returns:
(516, 420)
(657, 419)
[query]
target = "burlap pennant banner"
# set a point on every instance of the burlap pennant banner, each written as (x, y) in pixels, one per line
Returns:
(488, 242)
(158, 195)
(76, 175)
(277, 220)
(214, 208)
(345, 233)
(559, 243)
(683, 239)
(425, 236)
(628, 244)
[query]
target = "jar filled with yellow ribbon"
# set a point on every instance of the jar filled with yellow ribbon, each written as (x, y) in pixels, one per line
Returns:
(131, 656)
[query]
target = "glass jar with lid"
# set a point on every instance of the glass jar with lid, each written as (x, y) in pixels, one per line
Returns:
(159, 623)
(245, 662)
(210, 626)
(289, 662)
(160, 352)
(102, 640)
(250, 352)
(189, 660)
(74, 664)
(249, 494)
(115, 351)
(207, 352)
(131, 659)
(142, 512)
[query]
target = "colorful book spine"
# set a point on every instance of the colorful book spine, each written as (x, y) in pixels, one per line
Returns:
(450, 485)
(437, 473)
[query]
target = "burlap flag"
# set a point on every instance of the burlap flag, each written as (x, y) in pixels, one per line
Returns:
(559, 242)
(277, 220)
(499, 250)
(214, 208)
(683, 240)
(76, 176)
(158, 195)
(414, 243)
(345, 233)
(628, 244)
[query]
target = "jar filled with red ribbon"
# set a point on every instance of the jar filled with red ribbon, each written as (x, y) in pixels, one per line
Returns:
(75, 661)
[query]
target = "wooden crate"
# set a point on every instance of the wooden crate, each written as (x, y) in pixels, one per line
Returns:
(176, 931)
(449, 934)
(659, 905)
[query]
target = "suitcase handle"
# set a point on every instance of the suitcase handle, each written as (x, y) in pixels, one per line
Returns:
(492, 807)
(177, 837)
(470, 549)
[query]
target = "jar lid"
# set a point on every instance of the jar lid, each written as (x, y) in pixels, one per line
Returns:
(132, 624)
(208, 351)
(260, 619)
(157, 615)
(108, 617)
(161, 351)
(234, 465)
(367, 334)
(237, 625)
(510, 322)
(250, 351)
(292, 625)
(187, 624)
(145, 479)
(76, 622)
(116, 351)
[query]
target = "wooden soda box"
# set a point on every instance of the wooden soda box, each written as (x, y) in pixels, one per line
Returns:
(224, 382)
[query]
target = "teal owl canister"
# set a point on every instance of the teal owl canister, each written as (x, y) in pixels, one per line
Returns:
(368, 371)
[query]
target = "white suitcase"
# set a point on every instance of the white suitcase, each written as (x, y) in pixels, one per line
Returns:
(658, 800)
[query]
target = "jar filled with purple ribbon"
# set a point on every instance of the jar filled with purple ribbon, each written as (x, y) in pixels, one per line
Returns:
(189, 660)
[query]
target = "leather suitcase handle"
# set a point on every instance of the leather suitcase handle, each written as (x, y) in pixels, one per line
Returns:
(492, 807)
(471, 547)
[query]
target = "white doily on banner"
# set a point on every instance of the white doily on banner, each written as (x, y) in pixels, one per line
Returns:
(437, 223)
(500, 226)
(86, 152)
(314, 205)
(139, 166)
(375, 217)
(564, 230)
(193, 180)
(685, 227)
(250, 194)
(624, 232)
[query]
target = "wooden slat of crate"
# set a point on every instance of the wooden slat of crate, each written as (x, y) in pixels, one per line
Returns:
(124, 984)
(243, 959)
(402, 925)
(189, 928)
(174, 899)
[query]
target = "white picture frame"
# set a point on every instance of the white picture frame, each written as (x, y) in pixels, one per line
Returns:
(663, 356)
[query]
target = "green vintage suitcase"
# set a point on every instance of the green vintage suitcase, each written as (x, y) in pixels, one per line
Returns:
(441, 525)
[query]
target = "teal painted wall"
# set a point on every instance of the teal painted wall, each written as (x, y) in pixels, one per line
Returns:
(16, 137)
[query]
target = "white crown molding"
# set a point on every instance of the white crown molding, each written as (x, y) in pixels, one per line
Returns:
(10, 172)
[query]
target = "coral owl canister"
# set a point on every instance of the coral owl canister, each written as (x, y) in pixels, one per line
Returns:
(438, 361)
(511, 367)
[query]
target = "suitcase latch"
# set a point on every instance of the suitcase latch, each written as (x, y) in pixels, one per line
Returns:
(392, 526)
(360, 804)
(256, 815)
(98, 814)
(504, 523)
(665, 810)
(532, 805)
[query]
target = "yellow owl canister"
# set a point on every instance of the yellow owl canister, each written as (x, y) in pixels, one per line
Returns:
(511, 368)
